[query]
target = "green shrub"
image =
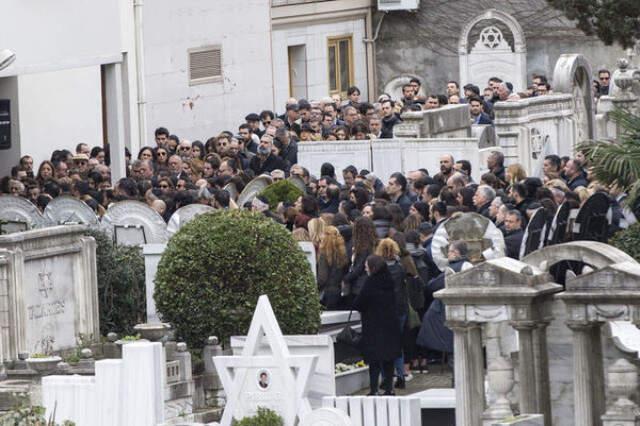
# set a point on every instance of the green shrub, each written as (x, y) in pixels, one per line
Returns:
(265, 417)
(215, 268)
(628, 240)
(281, 191)
(121, 287)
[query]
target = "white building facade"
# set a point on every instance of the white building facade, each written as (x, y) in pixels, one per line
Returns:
(66, 84)
(101, 72)
(321, 48)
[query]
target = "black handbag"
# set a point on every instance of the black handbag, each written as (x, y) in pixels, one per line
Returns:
(349, 336)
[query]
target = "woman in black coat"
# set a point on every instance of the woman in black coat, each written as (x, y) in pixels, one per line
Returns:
(381, 340)
(364, 243)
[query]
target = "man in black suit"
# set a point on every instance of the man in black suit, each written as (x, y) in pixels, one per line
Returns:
(513, 233)
(477, 115)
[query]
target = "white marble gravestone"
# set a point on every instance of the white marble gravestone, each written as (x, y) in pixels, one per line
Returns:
(48, 290)
(323, 380)
(277, 381)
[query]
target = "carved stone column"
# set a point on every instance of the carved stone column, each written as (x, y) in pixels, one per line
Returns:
(541, 361)
(526, 368)
(468, 371)
(587, 410)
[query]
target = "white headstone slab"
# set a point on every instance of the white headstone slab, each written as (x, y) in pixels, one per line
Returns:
(186, 214)
(572, 75)
(323, 380)
(18, 209)
(310, 252)
(135, 213)
(278, 382)
(66, 209)
(326, 416)
(152, 255)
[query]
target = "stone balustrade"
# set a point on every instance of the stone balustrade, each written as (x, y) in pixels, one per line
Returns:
(529, 129)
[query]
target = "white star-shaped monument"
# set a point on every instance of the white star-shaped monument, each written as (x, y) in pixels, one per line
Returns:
(278, 382)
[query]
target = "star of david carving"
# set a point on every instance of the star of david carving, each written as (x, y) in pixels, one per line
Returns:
(293, 371)
(45, 283)
(491, 37)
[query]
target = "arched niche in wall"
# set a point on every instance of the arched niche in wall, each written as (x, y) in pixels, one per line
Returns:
(492, 45)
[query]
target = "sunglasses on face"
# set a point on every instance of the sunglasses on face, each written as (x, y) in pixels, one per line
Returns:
(162, 154)
(185, 148)
(164, 186)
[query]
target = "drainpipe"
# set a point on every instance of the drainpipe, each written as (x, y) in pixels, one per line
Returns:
(138, 30)
(371, 53)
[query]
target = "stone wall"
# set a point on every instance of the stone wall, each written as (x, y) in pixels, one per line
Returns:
(425, 43)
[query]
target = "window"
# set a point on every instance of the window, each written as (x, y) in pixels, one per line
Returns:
(340, 65)
(205, 65)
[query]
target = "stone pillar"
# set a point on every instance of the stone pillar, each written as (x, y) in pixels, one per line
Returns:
(541, 361)
(526, 367)
(597, 367)
(468, 372)
(586, 379)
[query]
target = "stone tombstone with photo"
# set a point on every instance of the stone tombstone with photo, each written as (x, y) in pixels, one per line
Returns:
(134, 223)
(277, 381)
(48, 290)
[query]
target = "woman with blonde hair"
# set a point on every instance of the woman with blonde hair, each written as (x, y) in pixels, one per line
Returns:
(316, 227)
(514, 174)
(389, 250)
(583, 194)
(332, 267)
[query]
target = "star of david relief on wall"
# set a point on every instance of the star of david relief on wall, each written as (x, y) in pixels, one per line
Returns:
(45, 284)
(491, 38)
(278, 382)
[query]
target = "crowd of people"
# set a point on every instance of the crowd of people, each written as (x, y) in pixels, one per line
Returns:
(373, 238)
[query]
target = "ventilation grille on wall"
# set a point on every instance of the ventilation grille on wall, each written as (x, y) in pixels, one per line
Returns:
(389, 5)
(205, 64)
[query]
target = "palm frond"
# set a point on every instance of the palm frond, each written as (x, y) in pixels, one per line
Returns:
(618, 163)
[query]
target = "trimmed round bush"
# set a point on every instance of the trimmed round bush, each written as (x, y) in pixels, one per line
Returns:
(281, 191)
(215, 268)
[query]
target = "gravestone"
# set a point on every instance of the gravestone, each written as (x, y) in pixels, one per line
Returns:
(186, 214)
(322, 382)
(277, 381)
(310, 252)
(572, 75)
(48, 290)
(19, 210)
(134, 223)
(66, 209)
(489, 53)
(483, 238)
